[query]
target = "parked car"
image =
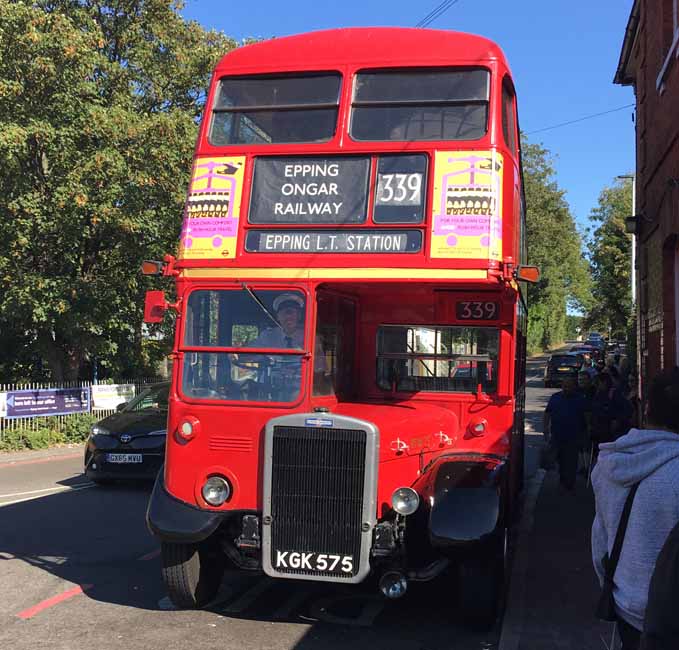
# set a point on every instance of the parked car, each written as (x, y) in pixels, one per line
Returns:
(590, 353)
(563, 364)
(595, 339)
(130, 444)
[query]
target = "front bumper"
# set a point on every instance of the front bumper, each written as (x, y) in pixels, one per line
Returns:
(98, 467)
(173, 520)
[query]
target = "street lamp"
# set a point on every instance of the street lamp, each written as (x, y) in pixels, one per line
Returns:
(631, 226)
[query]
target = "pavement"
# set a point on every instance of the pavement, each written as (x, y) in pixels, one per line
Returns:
(554, 590)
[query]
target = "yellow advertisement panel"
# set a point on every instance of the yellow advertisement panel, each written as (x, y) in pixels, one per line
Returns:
(467, 206)
(210, 228)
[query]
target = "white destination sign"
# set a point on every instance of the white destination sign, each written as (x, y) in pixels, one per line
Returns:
(324, 241)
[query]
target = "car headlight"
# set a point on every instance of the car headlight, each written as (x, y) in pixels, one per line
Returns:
(97, 430)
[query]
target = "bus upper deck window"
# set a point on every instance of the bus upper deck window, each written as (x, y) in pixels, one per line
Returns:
(421, 104)
(267, 109)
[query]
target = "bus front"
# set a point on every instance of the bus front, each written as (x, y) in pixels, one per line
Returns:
(347, 390)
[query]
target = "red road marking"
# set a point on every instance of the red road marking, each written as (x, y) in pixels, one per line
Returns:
(50, 602)
(49, 459)
(150, 556)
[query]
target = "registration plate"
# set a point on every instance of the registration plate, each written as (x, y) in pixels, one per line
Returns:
(566, 369)
(123, 458)
(321, 562)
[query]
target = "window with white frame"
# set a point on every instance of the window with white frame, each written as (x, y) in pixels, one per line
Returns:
(670, 38)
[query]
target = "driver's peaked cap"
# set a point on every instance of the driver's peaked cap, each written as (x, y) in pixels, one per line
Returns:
(288, 300)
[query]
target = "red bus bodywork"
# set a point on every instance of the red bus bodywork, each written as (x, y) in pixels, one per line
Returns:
(460, 450)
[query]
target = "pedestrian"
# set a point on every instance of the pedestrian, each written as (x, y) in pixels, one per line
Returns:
(648, 458)
(586, 385)
(611, 413)
(661, 625)
(565, 426)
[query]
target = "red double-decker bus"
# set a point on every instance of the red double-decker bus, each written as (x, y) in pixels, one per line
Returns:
(348, 384)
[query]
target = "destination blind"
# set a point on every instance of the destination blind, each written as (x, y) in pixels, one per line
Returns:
(333, 241)
(310, 190)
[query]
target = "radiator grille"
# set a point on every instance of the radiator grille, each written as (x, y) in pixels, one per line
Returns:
(317, 492)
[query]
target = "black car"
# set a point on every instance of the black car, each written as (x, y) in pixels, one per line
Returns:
(130, 444)
(564, 364)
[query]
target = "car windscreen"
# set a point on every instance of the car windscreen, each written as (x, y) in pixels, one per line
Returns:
(420, 104)
(565, 360)
(274, 109)
(155, 397)
(440, 359)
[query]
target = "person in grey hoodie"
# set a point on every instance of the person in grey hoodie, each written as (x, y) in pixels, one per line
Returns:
(649, 457)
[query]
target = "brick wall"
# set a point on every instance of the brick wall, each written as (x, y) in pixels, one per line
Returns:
(656, 83)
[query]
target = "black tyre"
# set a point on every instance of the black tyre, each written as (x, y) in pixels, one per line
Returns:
(102, 481)
(481, 586)
(192, 573)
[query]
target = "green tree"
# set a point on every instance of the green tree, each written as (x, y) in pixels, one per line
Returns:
(554, 245)
(611, 251)
(99, 105)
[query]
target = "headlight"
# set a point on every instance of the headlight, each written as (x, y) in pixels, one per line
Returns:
(405, 501)
(216, 490)
(97, 430)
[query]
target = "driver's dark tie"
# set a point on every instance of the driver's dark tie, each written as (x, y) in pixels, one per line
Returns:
(288, 341)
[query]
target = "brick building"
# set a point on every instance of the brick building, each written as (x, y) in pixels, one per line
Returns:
(649, 61)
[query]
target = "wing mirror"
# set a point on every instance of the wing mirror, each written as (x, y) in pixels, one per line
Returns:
(155, 306)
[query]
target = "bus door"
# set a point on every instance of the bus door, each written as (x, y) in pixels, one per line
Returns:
(335, 347)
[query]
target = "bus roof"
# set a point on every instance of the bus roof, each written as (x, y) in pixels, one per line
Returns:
(365, 46)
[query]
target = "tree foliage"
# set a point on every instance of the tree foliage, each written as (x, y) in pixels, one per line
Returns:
(611, 251)
(554, 245)
(99, 103)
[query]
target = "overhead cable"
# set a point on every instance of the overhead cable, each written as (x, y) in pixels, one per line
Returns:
(436, 12)
(580, 119)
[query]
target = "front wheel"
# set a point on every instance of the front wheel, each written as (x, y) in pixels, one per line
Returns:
(481, 585)
(192, 573)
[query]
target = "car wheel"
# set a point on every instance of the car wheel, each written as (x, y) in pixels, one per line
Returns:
(481, 582)
(102, 481)
(192, 573)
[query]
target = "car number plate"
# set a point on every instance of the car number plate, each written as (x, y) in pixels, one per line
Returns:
(566, 369)
(321, 562)
(123, 458)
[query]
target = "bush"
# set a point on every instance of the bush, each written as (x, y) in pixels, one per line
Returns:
(46, 432)
(77, 427)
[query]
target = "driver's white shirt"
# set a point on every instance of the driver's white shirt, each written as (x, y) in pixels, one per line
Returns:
(275, 337)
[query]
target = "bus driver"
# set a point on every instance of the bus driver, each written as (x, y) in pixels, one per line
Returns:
(289, 308)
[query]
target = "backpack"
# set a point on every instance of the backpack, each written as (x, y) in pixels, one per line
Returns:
(661, 623)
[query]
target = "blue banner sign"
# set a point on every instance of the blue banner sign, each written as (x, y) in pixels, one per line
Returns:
(43, 402)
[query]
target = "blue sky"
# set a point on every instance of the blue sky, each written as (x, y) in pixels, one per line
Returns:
(563, 56)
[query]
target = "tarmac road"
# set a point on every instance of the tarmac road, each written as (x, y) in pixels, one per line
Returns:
(79, 569)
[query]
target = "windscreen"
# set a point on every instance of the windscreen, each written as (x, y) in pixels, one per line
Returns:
(565, 360)
(423, 104)
(439, 359)
(266, 109)
(246, 318)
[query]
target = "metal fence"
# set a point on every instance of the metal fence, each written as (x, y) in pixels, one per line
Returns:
(60, 422)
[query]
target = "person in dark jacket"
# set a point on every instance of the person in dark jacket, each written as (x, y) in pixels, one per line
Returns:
(565, 425)
(661, 624)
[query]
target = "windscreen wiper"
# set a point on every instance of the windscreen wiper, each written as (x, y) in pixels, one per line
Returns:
(263, 307)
